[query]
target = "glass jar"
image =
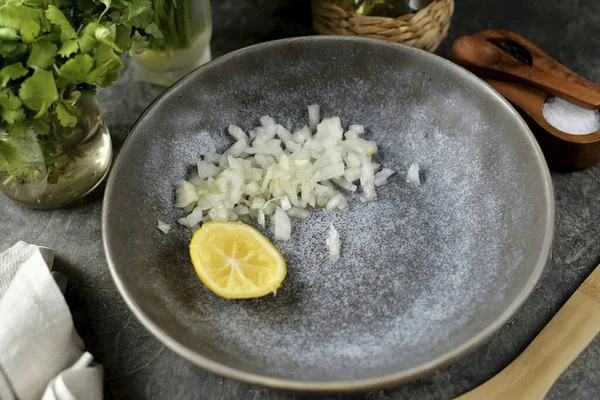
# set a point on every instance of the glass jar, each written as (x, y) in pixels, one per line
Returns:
(56, 168)
(187, 28)
(383, 8)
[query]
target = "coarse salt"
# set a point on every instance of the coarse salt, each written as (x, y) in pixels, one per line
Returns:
(569, 118)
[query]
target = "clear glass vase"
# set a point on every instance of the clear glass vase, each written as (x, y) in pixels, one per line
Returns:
(187, 28)
(54, 169)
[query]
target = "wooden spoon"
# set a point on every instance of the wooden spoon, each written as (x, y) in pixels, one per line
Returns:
(534, 372)
(486, 59)
(563, 151)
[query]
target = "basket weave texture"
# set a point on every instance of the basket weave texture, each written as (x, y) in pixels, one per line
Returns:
(424, 29)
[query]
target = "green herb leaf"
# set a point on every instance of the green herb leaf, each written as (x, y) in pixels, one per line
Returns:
(107, 64)
(57, 17)
(67, 114)
(107, 35)
(40, 126)
(154, 30)
(10, 107)
(9, 155)
(139, 13)
(123, 36)
(12, 51)
(13, 16)
(18, 129)
(138, 44)
(10, 72)
(38, 92)
(30, 30)
(69, 47)
(42, 54)
(87, 38)
(8, 35)
(77, 68)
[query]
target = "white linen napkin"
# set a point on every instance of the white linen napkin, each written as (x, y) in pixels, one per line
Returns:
(41, 354)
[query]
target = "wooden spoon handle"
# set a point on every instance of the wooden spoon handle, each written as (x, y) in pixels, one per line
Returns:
(534, 372)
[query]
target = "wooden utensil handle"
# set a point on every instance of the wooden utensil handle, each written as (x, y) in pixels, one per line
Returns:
(534, 372)
(577, 94)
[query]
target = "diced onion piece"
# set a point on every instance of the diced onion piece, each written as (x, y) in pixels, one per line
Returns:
(343, 206)
(261, 218)
(302, 135)
(186, 194)
(184, 221)
(357, 128)
(267, 121)
(257, 203)
(210, 200)
(285, 203)
(367, 178)
(195, 217)
(300, 213)
(334, 202)
(212, 158)
(241, 210)
(333, 243)
(237, 148)
(283, 134)
(343, 183)
(237, 133)
(314, 115)
(163, 226)
(413, 175)
(283, 225)
(381, 176)
(333, 170)
(206, 169)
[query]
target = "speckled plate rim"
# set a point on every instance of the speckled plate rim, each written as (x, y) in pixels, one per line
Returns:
(362, 384)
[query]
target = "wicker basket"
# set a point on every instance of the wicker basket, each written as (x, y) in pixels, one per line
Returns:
(424, 29)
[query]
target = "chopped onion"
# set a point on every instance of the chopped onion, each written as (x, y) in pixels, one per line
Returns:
(367, 181)
(272, 172)
(237, 133)
(186, 194)
(314, 115)
(413, 175)
(212, 158)
(334, 243)
(163, 226)
(357, 128)
(237, 149)
(283, 225)
(381, 176)
(206, 169)
(195, 217)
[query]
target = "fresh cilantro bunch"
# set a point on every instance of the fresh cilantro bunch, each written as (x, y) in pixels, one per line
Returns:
(51, 51)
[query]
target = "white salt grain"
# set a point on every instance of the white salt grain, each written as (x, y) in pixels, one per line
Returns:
(570, 118)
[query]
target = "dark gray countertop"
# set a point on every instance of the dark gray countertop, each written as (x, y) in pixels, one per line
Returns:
(137, 366)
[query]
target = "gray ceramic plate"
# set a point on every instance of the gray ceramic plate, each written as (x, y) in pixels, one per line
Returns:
(426, 273)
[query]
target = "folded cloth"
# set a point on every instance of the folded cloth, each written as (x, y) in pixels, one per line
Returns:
(41, 354)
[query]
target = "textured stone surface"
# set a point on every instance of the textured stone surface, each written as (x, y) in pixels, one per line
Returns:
(138, 367)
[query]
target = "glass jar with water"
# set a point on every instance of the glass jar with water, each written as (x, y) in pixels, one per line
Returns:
(186, 27)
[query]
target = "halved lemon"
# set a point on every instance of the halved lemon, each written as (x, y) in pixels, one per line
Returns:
(236, 261)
